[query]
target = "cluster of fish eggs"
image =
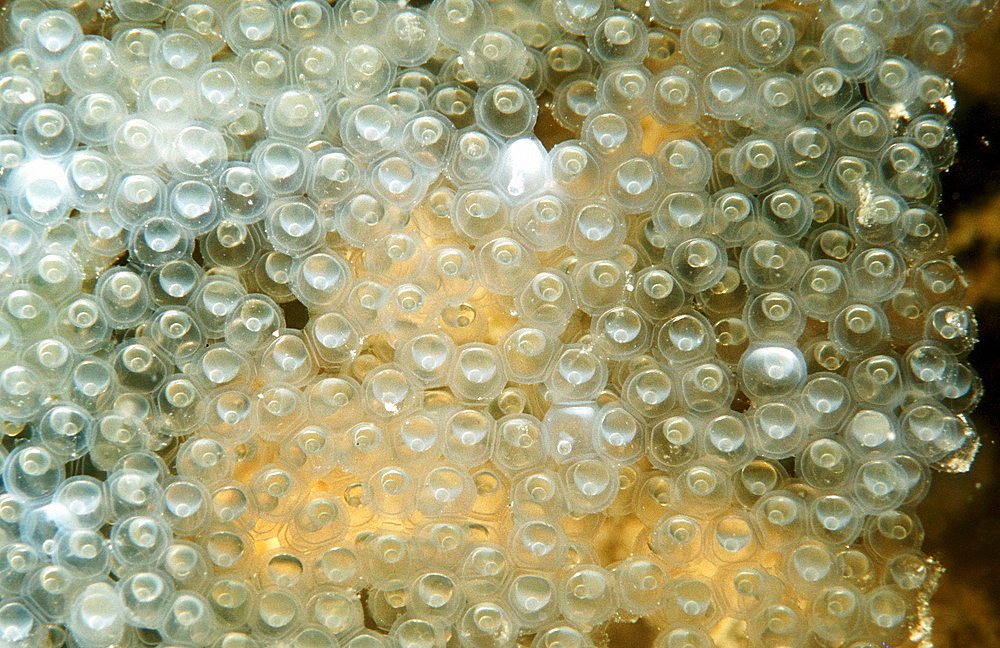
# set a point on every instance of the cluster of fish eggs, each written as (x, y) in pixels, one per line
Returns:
(308, 340)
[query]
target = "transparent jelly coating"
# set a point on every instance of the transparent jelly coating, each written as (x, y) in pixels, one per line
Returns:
(164, 98)
(574, 169)
(251, 23)
(575, 100)
(851, 48)
(124, 297)
(577, 374)
(621, 332)
(95, 615)
(139, 143)
(635, 184)
(766, 39)
(619, 38)
(32, 472)
(145, 596)
(367, 71)
(657, 295)
(27, 92)
(683, 213)
(320, 277)
(427, 139)
(293, 227)
(544, 222)
(779, 429)
(597, 224)
(46, 130)
(697, 263)
(411, 35)
(220, 95)
(460, 21)
(495, 56)
(264, 70)
(477, 373)
(91, 66)
(519, 443)
(505, 263)
(726, 92)
(178, 55)
(781, 100)
(55, 278)
(771, 264)
(201, 18)
(675, 95)
(295, 114)
(27, 310)
(469, 437)
(315, 67)
(194, 205)
(756, 163)
(599, 284)
(685, 337)
(864, 129)
(52, 35)
(522, 167)
(878, 272)
(611, 134)
(710, 39)
(304, 20)
(707, 387)
(774, 316)
(823, 289)
(859, 328)
(197, 151)
(627, 90)
(65, 429)
(786, 211)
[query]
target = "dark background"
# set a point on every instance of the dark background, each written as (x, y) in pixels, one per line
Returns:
(961, 514)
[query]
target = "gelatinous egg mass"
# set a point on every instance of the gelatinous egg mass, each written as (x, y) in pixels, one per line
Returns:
(475, 323)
